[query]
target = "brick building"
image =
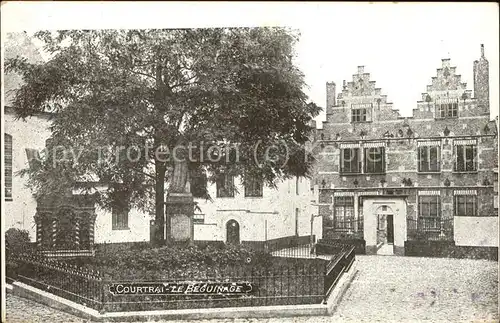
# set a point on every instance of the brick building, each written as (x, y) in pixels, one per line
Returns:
(414, 185)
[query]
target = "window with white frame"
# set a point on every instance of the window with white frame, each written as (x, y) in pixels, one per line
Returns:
(428, 157)
(465, 156)
(429, 212)
(465, 204)
(447, 109)
(361, 112)
(374, 160)
(344, 212)
(350, 160)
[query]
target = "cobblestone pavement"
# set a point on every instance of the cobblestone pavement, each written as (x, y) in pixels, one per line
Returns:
(387, 288)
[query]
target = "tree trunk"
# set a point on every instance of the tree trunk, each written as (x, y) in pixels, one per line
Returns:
(159, 234)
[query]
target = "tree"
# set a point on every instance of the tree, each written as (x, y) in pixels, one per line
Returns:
(125, 99)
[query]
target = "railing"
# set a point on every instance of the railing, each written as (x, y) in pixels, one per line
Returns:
(338, 264)
(283, 281)
(68, 281)
(290, 247)
(282, 285)
(430, 229)
(351, 229)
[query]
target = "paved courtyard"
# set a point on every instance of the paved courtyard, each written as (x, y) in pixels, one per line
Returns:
(387, 288)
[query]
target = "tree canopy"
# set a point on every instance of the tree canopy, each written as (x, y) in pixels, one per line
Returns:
(127, 94)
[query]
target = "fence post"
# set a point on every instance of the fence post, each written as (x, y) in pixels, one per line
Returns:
(103, 296)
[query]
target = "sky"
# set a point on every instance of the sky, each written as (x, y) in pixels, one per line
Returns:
(400, 44)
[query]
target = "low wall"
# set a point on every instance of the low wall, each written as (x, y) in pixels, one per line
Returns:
(476, 231)
(278, 243)
(324, 246)
(448, 249)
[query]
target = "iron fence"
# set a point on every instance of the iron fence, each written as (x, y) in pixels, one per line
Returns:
(284, 281)
(289, 247)
(283, 285)
(349, 229)
(432, 229)
(65, 280)
(336, 267)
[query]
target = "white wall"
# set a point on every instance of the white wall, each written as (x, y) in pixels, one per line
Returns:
(396, 206)
(138, 227)
(260, 218)
(31, 133)
(476, 231)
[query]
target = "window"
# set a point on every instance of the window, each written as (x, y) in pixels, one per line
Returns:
(465, 158)
(465, 205)
(199, 185)
(358, 115)
(428, 158)
(253, 187)
(375, 160)
(8, 166)
(361, 112)
(225, 185)
(447, 110)
(344, 212)
(120, 218)
(350, 160)
(120, 211)
(429, 212)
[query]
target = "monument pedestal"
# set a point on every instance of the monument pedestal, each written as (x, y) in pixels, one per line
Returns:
(179, 211)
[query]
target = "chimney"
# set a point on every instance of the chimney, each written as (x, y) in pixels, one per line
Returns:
(330, 94)
(481, 80)
(361, 69)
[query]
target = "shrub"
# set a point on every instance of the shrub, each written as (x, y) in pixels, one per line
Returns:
(150, 263)
(17, 239)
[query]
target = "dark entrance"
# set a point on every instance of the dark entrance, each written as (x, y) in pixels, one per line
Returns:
(232, 232)
(390, 228)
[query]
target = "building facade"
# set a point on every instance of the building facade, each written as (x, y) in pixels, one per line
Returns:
(236, 214)
(388, 180)
(256, 213)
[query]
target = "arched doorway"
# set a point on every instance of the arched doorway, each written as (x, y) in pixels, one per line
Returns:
(232, 232)
(385, 230)
(385, 224)
(384, 220)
